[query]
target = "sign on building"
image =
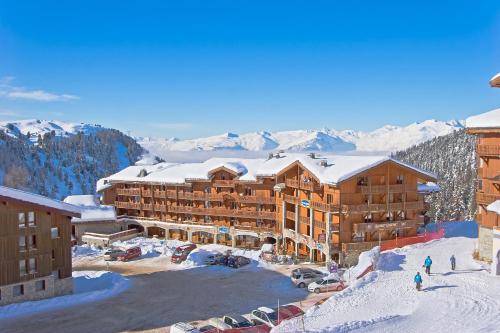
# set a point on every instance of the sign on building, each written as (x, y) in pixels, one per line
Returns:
(305, 203)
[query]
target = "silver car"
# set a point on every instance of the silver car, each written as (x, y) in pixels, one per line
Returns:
(302, 277)
(113, 254)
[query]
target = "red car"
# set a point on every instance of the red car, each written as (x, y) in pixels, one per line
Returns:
(181, 253)
(133, 252)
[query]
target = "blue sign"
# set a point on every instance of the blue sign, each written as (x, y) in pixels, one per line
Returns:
(223, 230)
(305, 203)
(333, 267)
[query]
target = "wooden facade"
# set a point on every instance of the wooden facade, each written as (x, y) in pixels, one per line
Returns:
(305, 217)
(35, 243)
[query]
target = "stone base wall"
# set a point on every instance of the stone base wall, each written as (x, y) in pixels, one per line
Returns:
(485, 243)
(33, 290)
(110, 227)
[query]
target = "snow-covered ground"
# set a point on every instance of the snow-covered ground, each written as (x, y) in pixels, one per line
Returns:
(465, 300)
(88, 287)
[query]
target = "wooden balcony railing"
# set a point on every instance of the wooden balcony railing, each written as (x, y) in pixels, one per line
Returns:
(382, 226)
(160, 193)
(313, 204)
(367, 189)
(147, 193)
(383, 207)
(127, 205)
(302, 185)
(223, 212)
(146, 206)
(160, 208)
(488, 150)
(255, 199)
(129, 191)
(486, 198)
(224, 183)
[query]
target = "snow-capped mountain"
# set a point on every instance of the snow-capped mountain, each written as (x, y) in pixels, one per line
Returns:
(37, 127)
(386, 139)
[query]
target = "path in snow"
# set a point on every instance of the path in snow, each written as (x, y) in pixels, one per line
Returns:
(465, 300)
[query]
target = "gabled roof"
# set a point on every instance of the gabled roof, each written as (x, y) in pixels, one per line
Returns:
(22, 197)
(489, 119)
(328, 169)
(495, 81)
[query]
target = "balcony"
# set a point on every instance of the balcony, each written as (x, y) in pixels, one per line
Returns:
(223, 212)
(383, 207)
(313, 204)
(160, 208)
(488, 150)
(374, 189)
(129, 191)
(383, 226)
(485, 198)
(146, 206)
(160, 193)
(147, 193)
(224, 183)
(127, 205)
(255, 199)
(302, 185)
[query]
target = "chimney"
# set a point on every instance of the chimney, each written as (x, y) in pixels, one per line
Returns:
(312, 155)
(270, 156)
(323, 163)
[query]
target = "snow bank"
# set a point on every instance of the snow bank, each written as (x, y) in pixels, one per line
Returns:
(367, 260)
(198, 256)
(86, 250)
(89, 287)
(151, 247)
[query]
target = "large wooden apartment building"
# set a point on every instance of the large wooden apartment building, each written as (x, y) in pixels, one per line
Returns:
(318, 208)
(35, 246)
(486, 127)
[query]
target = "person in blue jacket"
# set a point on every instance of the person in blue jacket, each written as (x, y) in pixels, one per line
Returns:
(418, 280)
(427, 265)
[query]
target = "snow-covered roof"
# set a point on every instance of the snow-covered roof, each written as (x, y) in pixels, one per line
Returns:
(489, 119)
(91, 209)
(495, 80)
(429, 187)
(494, 207)
(329, 169)
(39, 200)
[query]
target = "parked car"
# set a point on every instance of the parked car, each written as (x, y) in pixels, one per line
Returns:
(237, 261)
(113, 254)
(302, 278)
(326, 284)
(181, 253)
(272, 317)
(208, 329)
(133, 252)
(215, 259)
(237, 321)
(183, 328)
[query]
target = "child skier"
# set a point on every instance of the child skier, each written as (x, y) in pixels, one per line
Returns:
(427, 265)
(418, 280)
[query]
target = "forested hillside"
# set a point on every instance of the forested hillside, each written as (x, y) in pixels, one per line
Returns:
(452, 158)
(57, 166)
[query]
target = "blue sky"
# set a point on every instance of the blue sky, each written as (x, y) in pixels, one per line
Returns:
(196, 68)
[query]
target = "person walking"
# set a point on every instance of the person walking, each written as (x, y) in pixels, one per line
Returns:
(453, 262)
(427, 265)
(418, 281)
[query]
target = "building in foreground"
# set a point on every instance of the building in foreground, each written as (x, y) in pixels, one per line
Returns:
(318, 208)
(95, 218)
(486, 128)
(35, 246)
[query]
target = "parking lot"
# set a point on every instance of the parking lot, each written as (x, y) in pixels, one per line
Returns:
(161, 295)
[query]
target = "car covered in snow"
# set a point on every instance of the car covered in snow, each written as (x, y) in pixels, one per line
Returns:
(131, 253)
(237, 321)
(183, 328)
(218, 323)
(303, 277)
(326, 284)
(181, 253)
(237, 261)
(113, 254)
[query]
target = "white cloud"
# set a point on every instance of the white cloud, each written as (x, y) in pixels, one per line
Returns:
(7, 90)
(172, 125)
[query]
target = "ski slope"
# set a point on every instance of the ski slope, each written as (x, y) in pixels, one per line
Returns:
(465, 300)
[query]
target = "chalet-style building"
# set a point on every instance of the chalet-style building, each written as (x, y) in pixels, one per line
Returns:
(486, 127)
(35, 246)
(95, 218)
(319, 208)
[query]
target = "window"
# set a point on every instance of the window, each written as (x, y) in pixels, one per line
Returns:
(22, 267)
(18, 290)
(32, 265)
(362, 181)
(329, 199)
(54, 232)
(400, 179)
(32, 241)
(22, 243)
(31, 219)
(53, 254)
(40, 285)
(22, 220)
